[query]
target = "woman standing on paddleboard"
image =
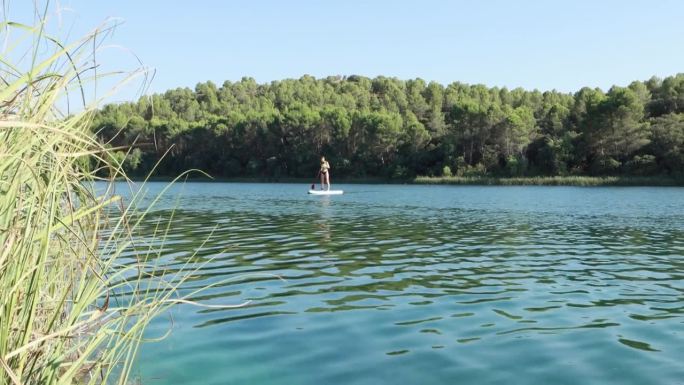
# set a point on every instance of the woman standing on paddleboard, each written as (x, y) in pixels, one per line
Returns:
(325, 173)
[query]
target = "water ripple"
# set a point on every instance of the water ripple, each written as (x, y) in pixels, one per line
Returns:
(441, 290)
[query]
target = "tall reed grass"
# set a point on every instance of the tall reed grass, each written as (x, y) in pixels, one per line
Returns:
(583, 181)
(72, 310)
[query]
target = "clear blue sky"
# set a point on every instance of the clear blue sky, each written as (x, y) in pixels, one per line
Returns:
(541, 44)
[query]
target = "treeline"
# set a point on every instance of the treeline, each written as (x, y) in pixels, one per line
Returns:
(386, 127)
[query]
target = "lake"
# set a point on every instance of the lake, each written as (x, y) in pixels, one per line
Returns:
(422, 285)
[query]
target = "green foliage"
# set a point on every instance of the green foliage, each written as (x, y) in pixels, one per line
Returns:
(516, 165)
(446, 171)
(382, 126)
(78, 280)
(604, 165)
(642, 165)
(667, 142)
(461, 165)
(400, 172)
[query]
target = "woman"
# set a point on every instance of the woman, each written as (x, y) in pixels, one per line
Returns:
(325, 173)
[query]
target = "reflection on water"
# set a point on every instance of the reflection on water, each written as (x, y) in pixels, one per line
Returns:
(441, 285)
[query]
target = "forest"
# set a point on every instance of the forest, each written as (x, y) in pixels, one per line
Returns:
(398, 129)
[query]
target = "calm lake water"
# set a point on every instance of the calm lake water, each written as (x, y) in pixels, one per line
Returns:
(423, 285)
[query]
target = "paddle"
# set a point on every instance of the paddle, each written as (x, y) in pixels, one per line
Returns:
(313, 185)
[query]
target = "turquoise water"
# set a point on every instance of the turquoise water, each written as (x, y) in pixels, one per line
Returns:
(424, 285)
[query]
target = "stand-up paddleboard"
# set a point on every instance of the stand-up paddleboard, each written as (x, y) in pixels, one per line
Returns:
(326, 192)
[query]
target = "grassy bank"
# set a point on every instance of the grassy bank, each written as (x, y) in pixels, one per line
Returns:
(553, 181)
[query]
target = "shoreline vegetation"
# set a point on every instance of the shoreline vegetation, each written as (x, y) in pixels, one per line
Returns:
(71, 310)
(79, 279)
(579, 181)
(400, 129)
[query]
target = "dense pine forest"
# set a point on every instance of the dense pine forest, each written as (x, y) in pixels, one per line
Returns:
(391, 128)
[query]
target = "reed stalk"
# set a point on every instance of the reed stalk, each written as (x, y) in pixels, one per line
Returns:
(72, 309)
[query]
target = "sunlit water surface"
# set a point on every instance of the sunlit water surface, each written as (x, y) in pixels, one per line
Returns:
(423, 285)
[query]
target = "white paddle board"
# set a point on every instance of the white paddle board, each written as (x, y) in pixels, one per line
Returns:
(326, 192)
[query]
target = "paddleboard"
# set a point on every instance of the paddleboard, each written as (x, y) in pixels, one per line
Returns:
(324, 192)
